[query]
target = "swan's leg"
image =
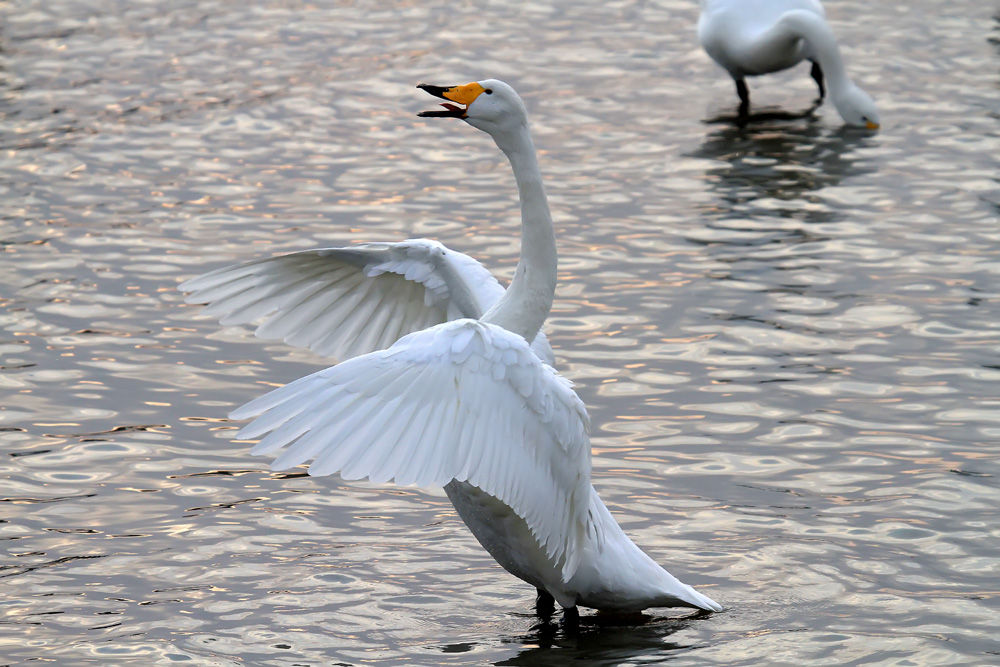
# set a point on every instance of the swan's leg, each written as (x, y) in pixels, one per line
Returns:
(817, 75)
(744, 93)
(545, 604)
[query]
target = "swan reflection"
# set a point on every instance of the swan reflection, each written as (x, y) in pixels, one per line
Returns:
(598, 640)
(781, 162)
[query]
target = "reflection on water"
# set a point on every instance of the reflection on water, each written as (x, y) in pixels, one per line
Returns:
(761, 167)
(787, 335)
(599, 641)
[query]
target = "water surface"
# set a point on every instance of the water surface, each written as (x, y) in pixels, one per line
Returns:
(788, 336)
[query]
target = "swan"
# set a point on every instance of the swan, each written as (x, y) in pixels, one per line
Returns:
(464, 403)
(753, 37)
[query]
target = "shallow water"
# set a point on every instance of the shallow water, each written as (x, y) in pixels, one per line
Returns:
(788, 337)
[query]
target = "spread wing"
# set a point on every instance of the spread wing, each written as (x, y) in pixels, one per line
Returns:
(342, 302)
(462, 400)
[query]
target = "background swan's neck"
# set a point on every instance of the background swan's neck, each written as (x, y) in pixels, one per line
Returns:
(526, 304)
(821, 46)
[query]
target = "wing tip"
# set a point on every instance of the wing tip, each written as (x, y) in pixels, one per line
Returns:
(242, 413)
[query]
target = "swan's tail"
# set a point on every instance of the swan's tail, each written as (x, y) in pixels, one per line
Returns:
(695, 599)
(674, 593)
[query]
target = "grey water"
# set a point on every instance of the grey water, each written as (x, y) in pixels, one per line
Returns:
(788, 335)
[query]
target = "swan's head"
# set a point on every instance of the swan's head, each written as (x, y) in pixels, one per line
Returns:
(490, 105)
(857, 107)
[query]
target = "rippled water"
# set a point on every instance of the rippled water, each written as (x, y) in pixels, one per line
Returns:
(788, 336)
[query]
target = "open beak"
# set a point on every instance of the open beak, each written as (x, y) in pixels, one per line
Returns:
(465, 95)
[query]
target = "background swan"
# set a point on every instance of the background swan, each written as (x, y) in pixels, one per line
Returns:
(753, 37)
(465, 404)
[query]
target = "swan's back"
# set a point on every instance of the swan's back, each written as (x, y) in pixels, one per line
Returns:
(735, 34)
(739, 20)
(759, 10)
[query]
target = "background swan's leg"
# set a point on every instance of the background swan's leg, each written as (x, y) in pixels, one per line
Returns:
(817, 74)
(545, 604)
(744, 93)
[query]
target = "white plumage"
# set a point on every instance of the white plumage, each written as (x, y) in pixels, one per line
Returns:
(458, 399)
(463, 400)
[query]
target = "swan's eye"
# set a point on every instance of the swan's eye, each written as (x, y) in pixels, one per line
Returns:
(865, 118)
(488, 91)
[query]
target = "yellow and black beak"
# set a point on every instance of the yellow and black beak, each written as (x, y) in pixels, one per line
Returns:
(466, 95)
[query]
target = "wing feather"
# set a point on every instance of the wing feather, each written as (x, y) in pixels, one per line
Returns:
(254, 304)
(284, 395)
(345, 302)
(290, 297)
(370, 460)
(462, 400)
(295, 425)
(313, 444)
(358, 321)
(302, 322)
(394, 441)
(221, 291)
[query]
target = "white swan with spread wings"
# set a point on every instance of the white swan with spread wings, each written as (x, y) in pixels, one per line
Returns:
(458, 398)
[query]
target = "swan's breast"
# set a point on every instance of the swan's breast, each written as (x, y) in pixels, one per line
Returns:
(507, 538)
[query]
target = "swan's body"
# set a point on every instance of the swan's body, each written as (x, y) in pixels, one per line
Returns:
(465, 404)
(754, 37)
(613, 573)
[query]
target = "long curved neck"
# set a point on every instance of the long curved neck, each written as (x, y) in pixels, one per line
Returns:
(528, 300)
(821, 46)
